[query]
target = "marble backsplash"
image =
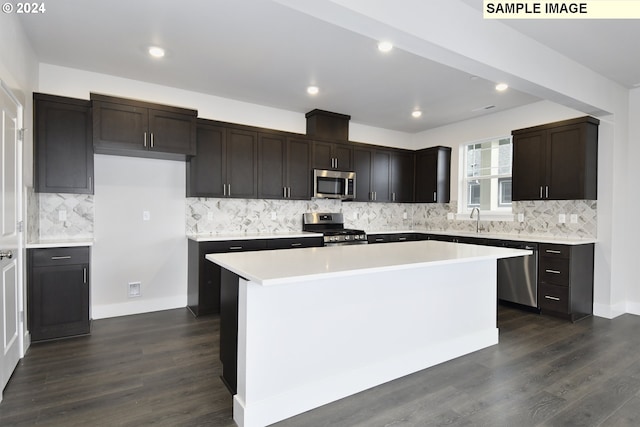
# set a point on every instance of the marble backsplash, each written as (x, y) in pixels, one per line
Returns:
(45, 221)
(220, 216)
(224, 216)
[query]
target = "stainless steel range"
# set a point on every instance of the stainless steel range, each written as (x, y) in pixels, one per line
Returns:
(331, 225)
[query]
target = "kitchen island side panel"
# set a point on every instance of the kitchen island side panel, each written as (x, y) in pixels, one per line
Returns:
(302, 345)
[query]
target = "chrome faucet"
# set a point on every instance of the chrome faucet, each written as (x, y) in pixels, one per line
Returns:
(477, 219)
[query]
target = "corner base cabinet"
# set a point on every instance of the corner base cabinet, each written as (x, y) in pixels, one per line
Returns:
(565, 280)
(58, 292)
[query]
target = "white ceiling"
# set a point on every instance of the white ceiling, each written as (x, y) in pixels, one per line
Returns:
(265, 53)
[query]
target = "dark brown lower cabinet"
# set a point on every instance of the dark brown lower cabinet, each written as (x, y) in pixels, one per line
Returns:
(565, 280)
(58, 292)
(203, 282)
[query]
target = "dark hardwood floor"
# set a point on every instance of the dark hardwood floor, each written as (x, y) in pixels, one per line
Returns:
(163, 369)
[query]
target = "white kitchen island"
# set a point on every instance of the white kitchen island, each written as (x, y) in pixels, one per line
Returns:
(315, 325)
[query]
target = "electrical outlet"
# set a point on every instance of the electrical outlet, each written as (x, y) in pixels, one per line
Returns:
(450, 216)
(134, 289)
(209, 216)
(355, 215)
(146, 215)
(573, 219)
(404, 215)
(562, 218)
(274, 216)
(520, 217)
(62, 215)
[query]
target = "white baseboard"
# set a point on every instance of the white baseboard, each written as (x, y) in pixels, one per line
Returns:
(105, 311)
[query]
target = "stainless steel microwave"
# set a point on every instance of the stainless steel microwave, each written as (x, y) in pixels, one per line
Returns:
(330, 184)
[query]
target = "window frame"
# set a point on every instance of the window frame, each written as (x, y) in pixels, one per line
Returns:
(501, 211)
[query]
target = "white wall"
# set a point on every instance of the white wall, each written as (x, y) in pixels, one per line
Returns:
(129, 249)
(633, 236)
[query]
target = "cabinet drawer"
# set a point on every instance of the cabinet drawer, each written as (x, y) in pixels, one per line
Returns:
(554, 298)
(236, 246)
(555, 271)
(60, 256)
(306, 242)
(555, 251)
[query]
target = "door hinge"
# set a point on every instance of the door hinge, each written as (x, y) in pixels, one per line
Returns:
(20, 226)
(21, 134)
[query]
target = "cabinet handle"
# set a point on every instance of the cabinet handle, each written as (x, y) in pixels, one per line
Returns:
(379, 239)
(289, 192)
(552, 298)
(402, 239)
(235, 248)
(151, 139)
(546, 192)
(229, 190)
(541, 191)
(552, 271)
(56, 258)
(84, 275)
(336, 160)
(145, 140)
(393, 197)
(434, 196)
(295, 245)
(90, 183)
(552, 251)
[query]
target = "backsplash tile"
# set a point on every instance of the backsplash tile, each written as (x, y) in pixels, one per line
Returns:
(255, 216)
(79, 210)
(249, 215)
(273, 216)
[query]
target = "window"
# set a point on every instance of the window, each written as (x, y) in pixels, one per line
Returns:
(486, 178)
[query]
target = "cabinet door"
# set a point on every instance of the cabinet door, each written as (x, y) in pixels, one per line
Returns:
(299, 168)
(206, 172)
(433, 170)
(63, 145)
(402, 173)
(120, 127)
(59, 301)
(528, 171)
(242, 168)
(172, 132)
(566, 163)
(426, 176)
(362, 166)
(343, 154)
(381, 176)
(322, 155)
(272, 151)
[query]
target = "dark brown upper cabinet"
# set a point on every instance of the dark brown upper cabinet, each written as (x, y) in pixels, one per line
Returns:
(433, 175)
(383, 175)
(226, 164)
(556, 161)
(63, 146)
(283, 166)
(136, 128)
(332, 155)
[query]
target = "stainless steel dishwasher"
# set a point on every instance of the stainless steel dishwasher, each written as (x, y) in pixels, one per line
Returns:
(518, 277)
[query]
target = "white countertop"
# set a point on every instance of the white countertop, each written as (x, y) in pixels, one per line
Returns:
(63, 243)
(213, 237)
(499, 236)
(288, 266)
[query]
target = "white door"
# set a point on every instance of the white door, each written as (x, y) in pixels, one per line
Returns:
(10, 239)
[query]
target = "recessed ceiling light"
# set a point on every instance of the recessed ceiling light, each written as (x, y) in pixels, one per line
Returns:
(502, 87)
(156, 52)
(313, 90)
(416, 113)
(385, 46)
